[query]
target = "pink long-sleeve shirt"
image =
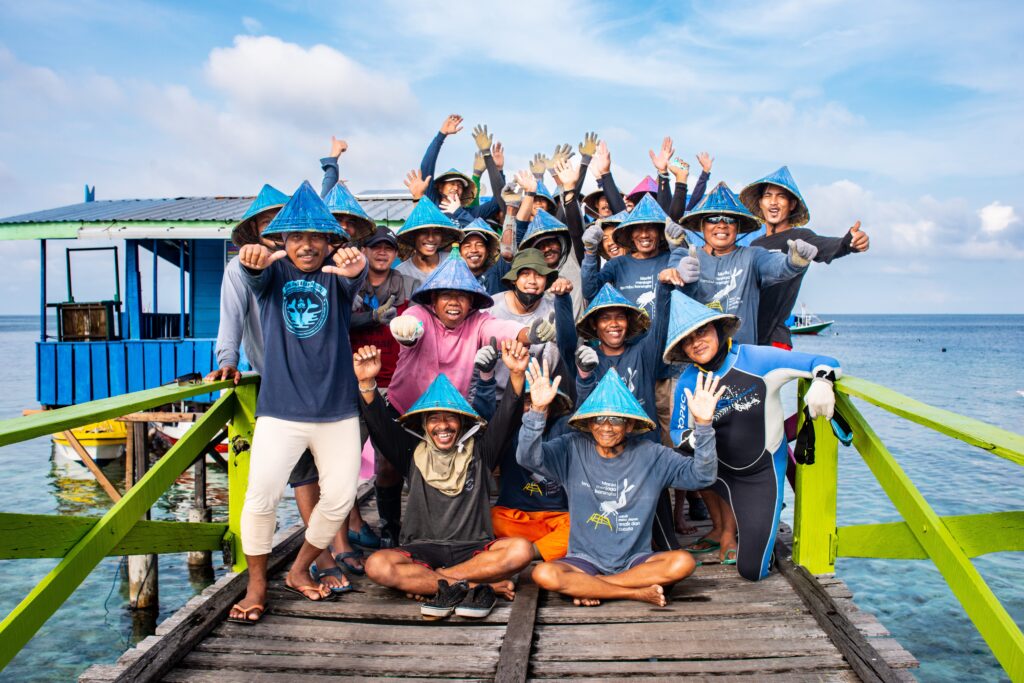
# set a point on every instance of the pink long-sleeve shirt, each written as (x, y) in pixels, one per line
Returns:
(442, 350)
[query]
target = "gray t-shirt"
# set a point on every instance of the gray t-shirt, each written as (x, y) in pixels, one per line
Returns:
(414, 275)
(503, 311)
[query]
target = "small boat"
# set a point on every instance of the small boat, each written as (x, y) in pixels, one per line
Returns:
(807, 323)
(173, 431)
(103, 441)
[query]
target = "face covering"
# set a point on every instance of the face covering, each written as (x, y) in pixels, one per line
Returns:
(723, 350)
(528, 300)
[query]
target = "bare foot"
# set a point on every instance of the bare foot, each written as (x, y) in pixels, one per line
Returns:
(505, 589)
(683, 529)
(586, 602)
(417, 598)
(251, 607)
(653, 594)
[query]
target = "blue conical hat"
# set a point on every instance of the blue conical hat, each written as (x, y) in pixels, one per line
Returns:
(545, 193)
(341, 202)
(453, 273)
(543, 226)
(468, 193)
(268, 198)
(612, 397)
(305, 212)
(441, 395)
(721, 201)
(687, 316)
(646, 212)
(609, 297)
(613, 220)
(493, 240)
(751, 196)
(423, 216)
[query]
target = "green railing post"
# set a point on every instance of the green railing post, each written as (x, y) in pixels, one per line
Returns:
(814, 518)
(240, 437)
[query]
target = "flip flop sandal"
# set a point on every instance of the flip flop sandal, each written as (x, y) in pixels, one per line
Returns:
(365, 537)
(304, 593)
(244, 619)
(336, 573)
(730, 556)
(702, 545)
(342, 559)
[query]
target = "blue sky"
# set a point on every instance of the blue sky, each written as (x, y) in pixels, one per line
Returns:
(908, 116)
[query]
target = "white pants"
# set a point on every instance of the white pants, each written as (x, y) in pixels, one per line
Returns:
(276, 446)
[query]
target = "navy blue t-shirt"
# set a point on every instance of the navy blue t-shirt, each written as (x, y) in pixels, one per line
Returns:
(307, 367)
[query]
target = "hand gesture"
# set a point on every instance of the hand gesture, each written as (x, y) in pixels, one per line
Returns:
(561, 286)
(541, 330)
(482, 138)
(670, 276)
(538, 166)
(705, 160)
(226, 372)
(366, 363)
(450, 205)
(681, 170)
(801, 253)
(674, 233)
(566, 174)
(511, 194)
(586, 360)
(661, 159)
(479, 166)
(515, 356)
(860, 241)
(542, 390)
(338, 147)
(486, 359)
(601, 164)
(498, 154)
(417, 185)
(385, 313)
(452, 124)
(527, 181)
(689, 266)
(258, 257)
(592, 238)
(562, 153)
(703, 400)
(348, 262)
(588, 146)
(406, 329)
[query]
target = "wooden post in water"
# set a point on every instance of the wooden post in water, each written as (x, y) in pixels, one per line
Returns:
(143, 570)
(199, 512)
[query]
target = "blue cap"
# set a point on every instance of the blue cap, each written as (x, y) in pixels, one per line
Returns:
(646, 212)
(491, 238)
(441, 396)
(341, 202)
(612, 397)
(305, 212)
(543, 226)
(687, 316)
(423, 216)
(453, 273)
(721, 201)
(609, 297)
(468, 193)
(269, 198)
(751, 196)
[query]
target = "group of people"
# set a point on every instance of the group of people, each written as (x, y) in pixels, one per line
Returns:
(588, 352)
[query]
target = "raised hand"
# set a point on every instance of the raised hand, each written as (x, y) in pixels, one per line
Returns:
(449, 205)
(703, 400)
(452, 124)
(801, 253)
(680, 169)
(482, 138)
(515, 356)
(592, 238)
(258, 257)
(566, 173)
(416, 183)
(586, 359)
(542, 390)
(385, 313)
(538, 166)
(226, 372)
(562, 152)
(479, 165)
(705, 160)
(689, 266)
(542, 330)
(498, 154)
(601, 163)
(406, 329)
(338, 147)
(860, 241)
(366, 363)
(661, 159)
(561, 286)
(588, 147)
(527, 180)
(511, 194)
(486, 359)
(348, 262)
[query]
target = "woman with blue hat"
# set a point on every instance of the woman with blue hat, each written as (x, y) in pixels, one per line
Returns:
(746, 500)
(613, 485)
(776, 201)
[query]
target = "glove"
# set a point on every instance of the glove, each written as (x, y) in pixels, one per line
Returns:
(406, 329)
(588, 147)
(674, 233)
(586, 359)
(482, 138)
(801, 253)
(487, 357)
(592, 238)
(511, 194)
(541, 330)
(689, 266)
(479, 165)
(820, 399)
(385, 313)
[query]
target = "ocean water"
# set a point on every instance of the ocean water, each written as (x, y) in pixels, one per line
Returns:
(978, 374)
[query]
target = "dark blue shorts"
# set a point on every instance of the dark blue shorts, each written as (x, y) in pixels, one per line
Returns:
(588, 567)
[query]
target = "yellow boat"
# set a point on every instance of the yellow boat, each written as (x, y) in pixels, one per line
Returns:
(103, 441)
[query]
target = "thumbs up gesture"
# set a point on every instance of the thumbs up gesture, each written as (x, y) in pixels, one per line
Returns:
(860, 241)
(689, 266)
(542, 330)
(801, 253)
(258, 257)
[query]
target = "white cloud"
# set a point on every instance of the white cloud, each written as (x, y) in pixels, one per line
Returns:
(997, 217)
(252, 25)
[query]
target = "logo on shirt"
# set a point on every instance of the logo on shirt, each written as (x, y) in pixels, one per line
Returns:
(540, 486)
(612, 507)
(305, 307)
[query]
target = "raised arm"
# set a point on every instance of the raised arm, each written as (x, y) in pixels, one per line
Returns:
(509, 414)
(677, 207)
(428, 166)
(775, 267)
(550, 459)
(587, 149)
(601, 167)
(329, 165)
(396, 444)
(568, 175)
(706, 160)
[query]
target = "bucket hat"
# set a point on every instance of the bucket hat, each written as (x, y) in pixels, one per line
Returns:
(341, 202)
(533, 259)
(306, 212)
(440, 396)
(751, 196)
(721, 201)
(609, 297)
(268, 198)
(423, 216)
(646, 212)
(612, 397)
(453, 273)
(687, 316)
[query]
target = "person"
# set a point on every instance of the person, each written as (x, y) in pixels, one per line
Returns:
(350, 214)
(308, 394)
(423, 241)
(448, 549)
(746, 499)
(776, 201)
(480, 248)
(445, 328)
(675, 202)
(613, 485)
(453, 191)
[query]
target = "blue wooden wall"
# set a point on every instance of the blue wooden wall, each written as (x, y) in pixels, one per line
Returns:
(75, 372)
(207, 273)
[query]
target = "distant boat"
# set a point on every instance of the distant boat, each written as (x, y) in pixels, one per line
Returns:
(807, 323)
(103, 441)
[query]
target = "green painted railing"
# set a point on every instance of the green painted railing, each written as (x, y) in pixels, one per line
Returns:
(949, 542)
(82, 542)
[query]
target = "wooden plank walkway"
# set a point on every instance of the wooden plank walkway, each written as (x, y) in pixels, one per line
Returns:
(717, 626)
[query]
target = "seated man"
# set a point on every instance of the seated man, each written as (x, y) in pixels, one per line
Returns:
(447, 546)
(613, 486)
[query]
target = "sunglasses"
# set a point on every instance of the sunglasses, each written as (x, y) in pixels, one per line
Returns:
(728, 220)
(612, 420)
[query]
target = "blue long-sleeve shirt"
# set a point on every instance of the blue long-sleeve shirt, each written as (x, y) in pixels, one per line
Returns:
(464, 215)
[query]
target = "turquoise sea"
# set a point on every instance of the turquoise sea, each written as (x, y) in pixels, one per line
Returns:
(967, 364)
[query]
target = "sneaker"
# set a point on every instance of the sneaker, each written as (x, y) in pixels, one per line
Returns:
(445, 600)
(478, 603)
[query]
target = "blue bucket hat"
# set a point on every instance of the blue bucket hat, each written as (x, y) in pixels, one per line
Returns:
(721, 201)
(646, 212)
(609, 297)
(468, 193)
(341, 202)
(492, 239)
(268, 198)
(543, 226)
(423, 216)
(453, 273)
(440, 396)
(612, 397)
(687, 316)
(305, 212)
(544, 193)
(751, 196)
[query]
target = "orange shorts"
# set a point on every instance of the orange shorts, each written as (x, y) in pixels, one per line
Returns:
(549, 531)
